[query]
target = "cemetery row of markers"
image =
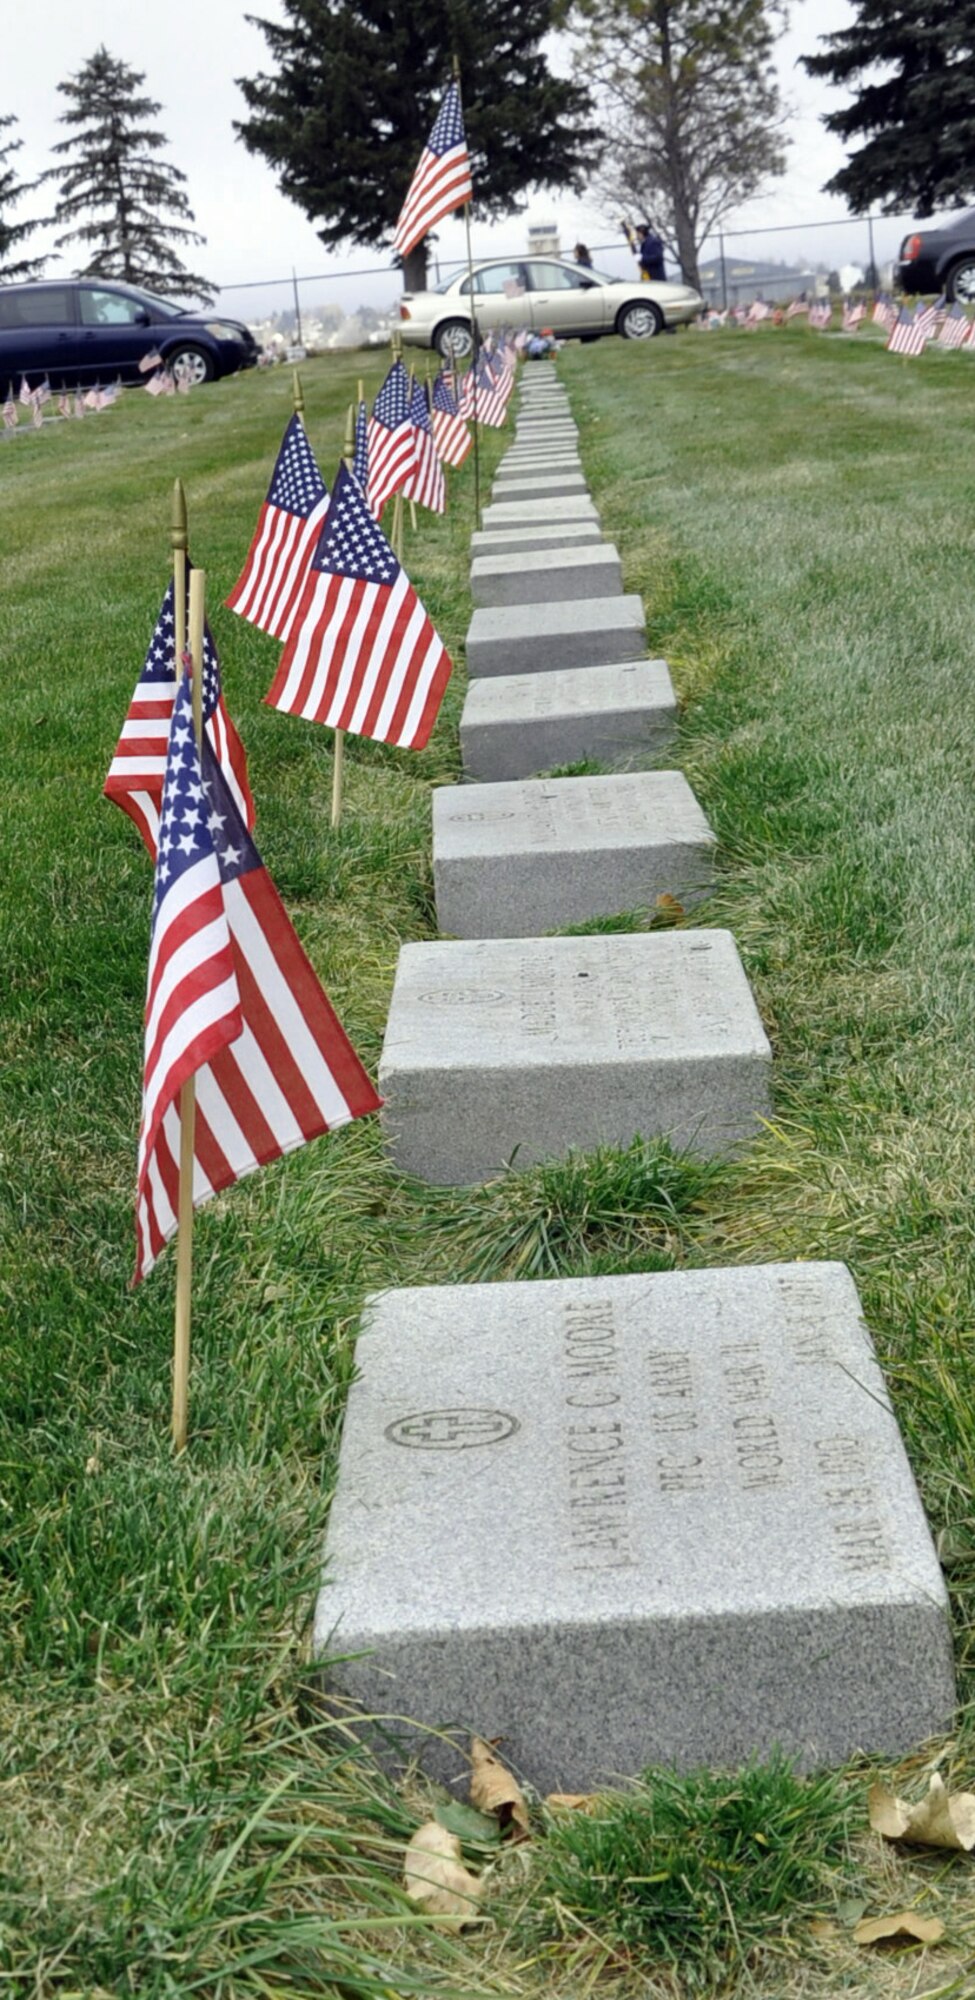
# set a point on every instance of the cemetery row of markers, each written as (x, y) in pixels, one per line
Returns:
(623, 1520)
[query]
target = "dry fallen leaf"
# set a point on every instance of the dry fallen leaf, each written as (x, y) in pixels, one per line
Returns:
(494, 1790)
(572, 1801)
(435, 1876)
(668, 906)
(821, 1929)
(937, 1821)
(905, 1924)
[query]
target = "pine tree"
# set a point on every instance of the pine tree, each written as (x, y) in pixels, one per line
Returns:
(12, 191)
(692, 108)
(917, 117)
(358, 84)
(114, 188)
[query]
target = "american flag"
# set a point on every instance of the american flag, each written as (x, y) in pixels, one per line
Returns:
(954, 328)
(927, 319)
(161, 383)
(363, 655)
(884, 311)
(392, 444)
(42, 394)
(9, 413)
(25, 396)
(453, 439)
(442, 181)
(79, 403)
(759, 310)
(493, 391)
(93, 397)
(153, 360)
(136, 773)
(796, 307)
(426, 484)
(360, 458)
(821, 315)
(852, 315)
(231, 999)
(270, 584)
(906, 337)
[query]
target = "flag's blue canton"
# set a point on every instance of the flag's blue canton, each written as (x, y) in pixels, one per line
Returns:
(297, 484)
(419, 414)
(235, 851)
(392, 402)
(350, 543)
(184, 835)
(448, 129)
(442, 398)
(161, 658)
(360, 460)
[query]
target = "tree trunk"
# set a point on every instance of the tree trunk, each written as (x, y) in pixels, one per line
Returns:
(686, 247)
(415, 268)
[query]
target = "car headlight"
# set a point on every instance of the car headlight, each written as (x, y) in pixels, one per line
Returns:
(221, 331)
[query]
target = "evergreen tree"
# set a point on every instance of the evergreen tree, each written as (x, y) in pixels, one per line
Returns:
(358, 84)
(693, 114)
(114, 188)
(916, 109)
(12, 191)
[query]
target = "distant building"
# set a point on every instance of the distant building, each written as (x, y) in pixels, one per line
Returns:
(743, 282)
(543, 239)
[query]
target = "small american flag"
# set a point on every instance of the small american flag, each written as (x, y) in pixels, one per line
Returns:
(392, 444)
(796, 307)
(231, 999)
(453, 439)
(25, 394)
(79, 403)
(93, 397)
(37, 415)
(9, 413)
(442, 181)
(363, 655)
(136, 773)
(954, 328)
(852, 315)
(493, 391)
(759, 310)
(821, 315)
(270, 584)
(153, 360)
(426, 484)
(884, 311)
(64, 404)
(42, 394)
(906, 337)
(928, 319)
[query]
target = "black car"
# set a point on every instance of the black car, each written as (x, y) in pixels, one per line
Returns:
(77, 331)
(940, 260)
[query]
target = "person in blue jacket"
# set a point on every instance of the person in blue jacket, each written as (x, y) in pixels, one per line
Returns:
(651, 253)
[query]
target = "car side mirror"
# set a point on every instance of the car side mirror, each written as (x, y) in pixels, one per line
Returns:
(142, 317)
(587, 284)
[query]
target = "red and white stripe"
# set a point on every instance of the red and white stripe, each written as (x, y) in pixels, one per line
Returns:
(365, 658)
(426, 484)
(392, 456)
(441, 184)
(451, 436)
(269, 588)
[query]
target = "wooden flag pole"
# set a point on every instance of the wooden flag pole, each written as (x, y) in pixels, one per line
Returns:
(179, 537)
(412, 502)
(187, 1100)
(338, 735)
(298, 394)
(470, 278)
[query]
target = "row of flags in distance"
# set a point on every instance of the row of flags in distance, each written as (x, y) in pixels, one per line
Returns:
(909, 329)
(232, 997)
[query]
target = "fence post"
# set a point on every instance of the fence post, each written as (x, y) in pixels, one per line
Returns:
(294, 281)
(724, 273)
(873, 260)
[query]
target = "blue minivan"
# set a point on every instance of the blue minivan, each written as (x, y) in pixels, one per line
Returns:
(77, 331)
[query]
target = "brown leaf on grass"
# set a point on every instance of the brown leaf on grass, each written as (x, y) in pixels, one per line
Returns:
(821, 1929)
(904, 1924)
(572, 1801)
(939, 1820)
(668, 906)
(494, 1790)
(435, 1877)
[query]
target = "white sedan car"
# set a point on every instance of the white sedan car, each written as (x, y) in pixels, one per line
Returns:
(574, 301)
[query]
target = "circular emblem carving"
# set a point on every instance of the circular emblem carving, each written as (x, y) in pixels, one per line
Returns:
(451, 1430)
(463, 996)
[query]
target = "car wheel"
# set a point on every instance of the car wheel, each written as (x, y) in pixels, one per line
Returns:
(640, 321)
(454, 340)
(961, 282)
(190, 364)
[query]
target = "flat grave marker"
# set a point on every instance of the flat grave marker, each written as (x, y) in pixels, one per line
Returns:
(662, 1519)
(531, 577)
(533, 638)
(532, 513)
(513, 860)
(501, 541)
(528, 1047)
(516, 724)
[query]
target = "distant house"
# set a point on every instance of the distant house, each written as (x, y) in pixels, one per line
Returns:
(743, 282)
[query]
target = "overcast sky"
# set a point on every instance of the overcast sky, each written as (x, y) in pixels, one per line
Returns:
(253, 233)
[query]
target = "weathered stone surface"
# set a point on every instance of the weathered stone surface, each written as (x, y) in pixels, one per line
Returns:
(502, 542)
(536, 1045)
(535, 458)
(537, 854)
(531, 577)
(537, 485)
(516, 724)
(624, 1521)
(532, 638)
(532, 513)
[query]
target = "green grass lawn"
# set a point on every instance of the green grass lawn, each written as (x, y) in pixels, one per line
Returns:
(797, 513)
